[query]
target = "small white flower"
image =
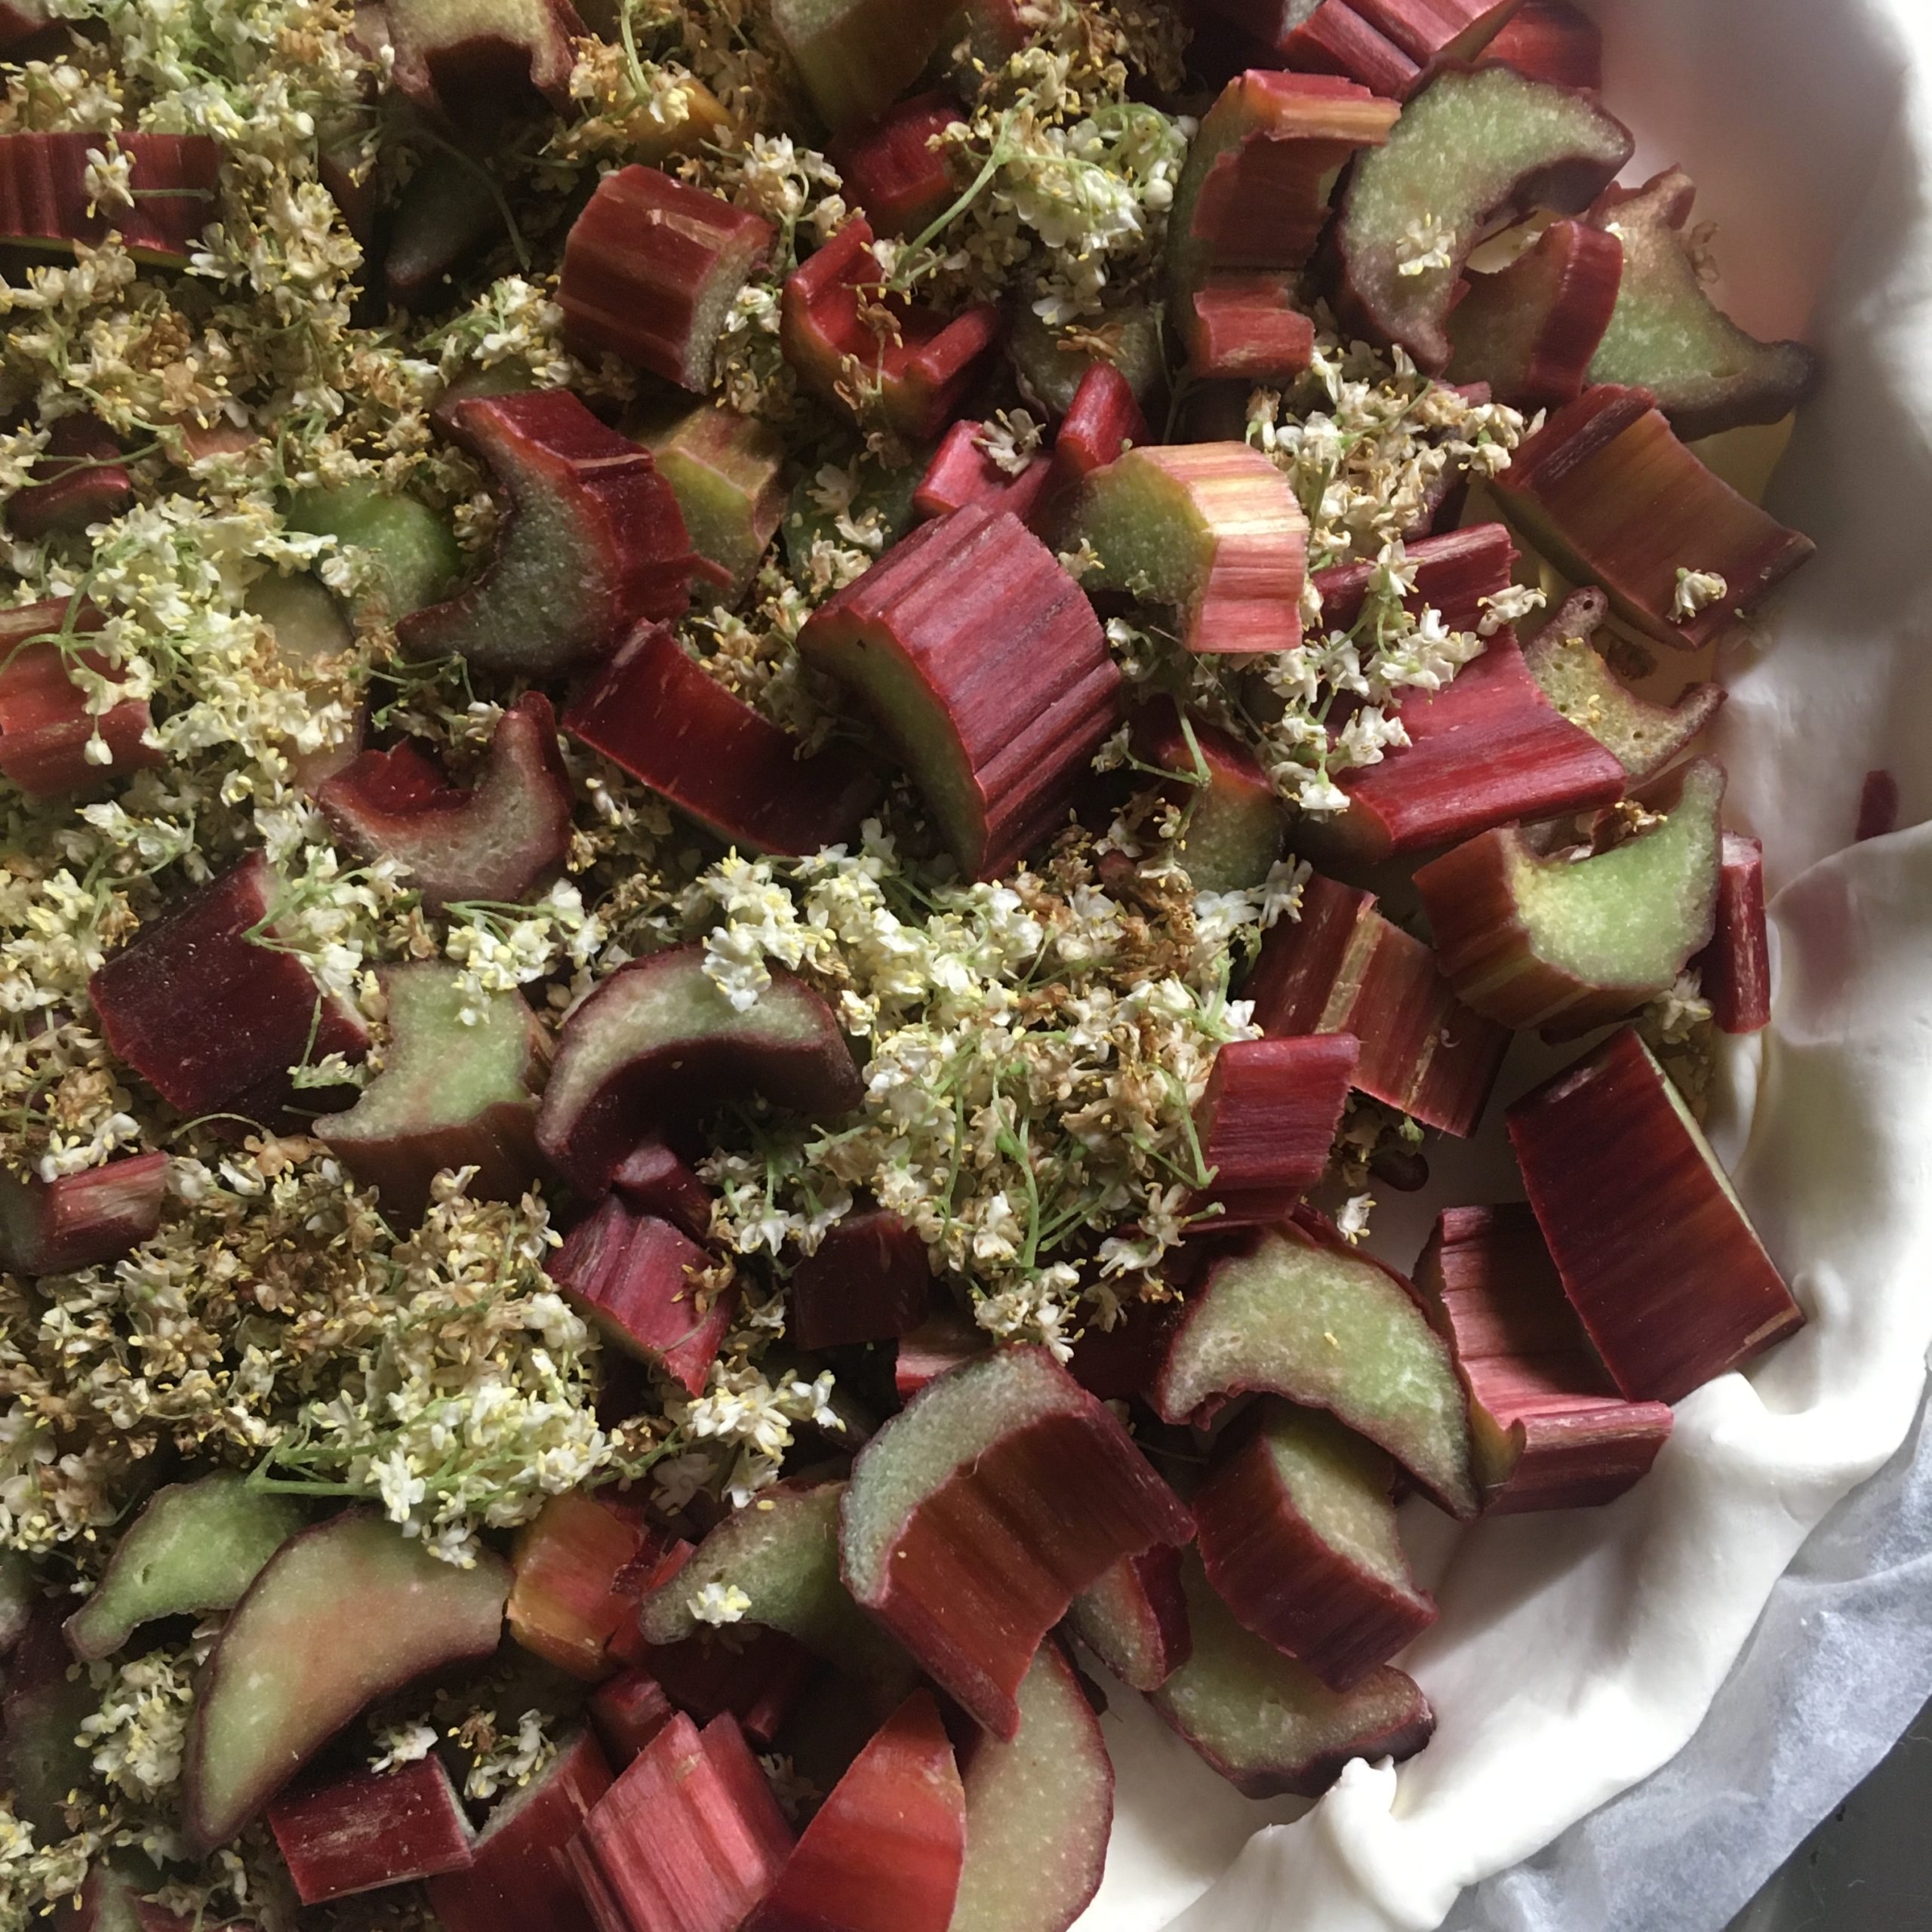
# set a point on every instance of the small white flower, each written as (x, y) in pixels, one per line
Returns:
(719, 1603)
(1696, 592)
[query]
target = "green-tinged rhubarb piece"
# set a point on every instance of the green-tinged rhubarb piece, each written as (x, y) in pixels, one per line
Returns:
(856, 57)
(1051, 362)
(1529, 330)
(48, 1694)
(447, 214)
(1134, 1618)
(728, 471)
(1232, 830)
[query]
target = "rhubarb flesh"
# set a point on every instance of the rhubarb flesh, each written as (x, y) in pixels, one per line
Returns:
(1051, 363)
(728, 473)
(870, 1280)
(371, 1828)
(1246, 328)
(45, 201)
(564, 1605)
(194, 1546)
(1472, 152)
(659, 1043)
(41, 1759)
(45, 725)
(856, 57)
(445, 218)
(1133, 1618)
(1267, 1122)
(1734, 971)
(76, 1221)
(1530, 331)
(408, 552)
(1232, 830)
(1550, 40)
(341, 1615)
(1295, 1313)
(1655, 1252)
(1568, 945)
(666, 721)
(77, 481)
(892, 171)
(978, 656)
(978, 1513)
(1551, 1430)
(472, 62)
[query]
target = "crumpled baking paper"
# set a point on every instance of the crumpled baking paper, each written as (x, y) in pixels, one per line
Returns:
(1578, 1652)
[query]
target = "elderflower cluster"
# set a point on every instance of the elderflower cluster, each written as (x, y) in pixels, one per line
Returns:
(139, 1731)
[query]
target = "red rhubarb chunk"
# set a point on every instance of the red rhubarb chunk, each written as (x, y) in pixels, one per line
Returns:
(565, 1603)
(1392, 46)
(45, 201)
(656, 712)
(1133, 1618)
(45, 726)
(1551, 1430)
(1529, 331)
(1116, 1363)
(629, 1711)
(79, 480)
(1267, 1122)
(654, 1181)
(1655, 1253)
(892, 171)
(75, 1221)
(1734, 971)
(753, 1676)
(1550, 40)
(868, 1280)
(371, 1828)
(1102, 422)
(941, 1343)
(884, 1852)
(1246, 328)
(960, 472)
(471, 62)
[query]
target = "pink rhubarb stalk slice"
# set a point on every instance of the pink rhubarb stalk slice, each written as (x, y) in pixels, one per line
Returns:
(1608, 493)
(1734, 971)
(76, 1221)
(564, 1605)
(1472, 152)
(471, 62)
(1550, 40)
(1267, 1122)
(1133, 1618)
(856, 57)
(1652, 1244)
(655, 1181)
(980, 657)
(1530, 331)
(651, 268)
(371, 1828)
(728, 471)
(45, 201)
(1246, 328)
(892, 171)
(79, 480)
(960, 472)
(1341, 968)
(591, 540)
(869, 1280)
(45, 725)
(753, 1677)
(1232, 829)
(1551, 1430)
(629, 1711)
(1102, 422)
(978, 1513)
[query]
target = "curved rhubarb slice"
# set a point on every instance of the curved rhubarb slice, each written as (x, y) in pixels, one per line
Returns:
(1341, 968)
(892, 171)
(202, 1004)
(658, 713)
(870, 1280)
(590, 541)
(1472, 152)
(1734, 971)
(1654, 1249)
(1051, 363)
(1551, 1430)
(978, 1513)
(1267, 1122)
(452, 1092)
(980, 658)
(342, 1615)
(883, 1854)
(45, 725)
(78, 479)
(1296, 1313)
(857, 57)
(41, 1759)
(473, 61)
(1644, 737)
(1550, 40)
(501, 840)
(1133, 1618)
(1668, 337)
(1269, 1724)
(45, 201)
(1608, 493)
(1246, 328)
(564, 1605)
(371, 1828)
(1298, 1537)
(194, 1546)
(446, 216)
(1530, 331)
(651, 268)
(728, 471)
(76, 1221)
(1233, 831)
(410, 550)
(1567, 944)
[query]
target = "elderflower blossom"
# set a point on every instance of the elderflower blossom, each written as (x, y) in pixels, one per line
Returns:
(719, 1603)
(1696, 592)
(406, 1743)
(138, 1733)
(1427, 243)
(506, 1761)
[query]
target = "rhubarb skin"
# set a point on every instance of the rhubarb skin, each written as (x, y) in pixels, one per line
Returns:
(1610, 495)
(728, 473)
(979, 656)
(371, 1828)
(870, 1280)
(1133, 1618)
(652, 1179)
(1551, 1430)
(856, 57)
(1102, 422)
(960, 472)
(1234, 831)
(657, 712)
(76, 1221)
(651, 268)
(1121, 1362)
(940, 1344)
(978, 1513)
(78, 480)
(1734, 971)
(469, 63)
(591, 541)
(45, 723)
(892, 171)
(1530, 331)
(563, 1605)
(45, 202)
(213, 1021)
(627, 1712)
(1472, 152)
(1267, 1122)
(446, 217)
(1656, 1257)
(1341, 968)
(1246, 328)
(883, 1852)
(1550, 40)
(753, 1677)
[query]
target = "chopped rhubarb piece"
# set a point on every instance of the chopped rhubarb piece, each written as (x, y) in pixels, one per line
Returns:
(41, 1759)
(651, 268)
(911, 373)
(1232, 831)
(203, 1005)
(1550, 40)
(1668, 337)
(856, 57)
(657, 712)
(591, 540)
(45, 725)
(472, 62)
(1267, 1121)
(960, 472)
(1294, 1312)
(1535, 940)
(521, 1877)
(343, 1614)
(1393, 46)
(1878, 806)
(754, 1677)
(1116, 1363)
(1341, 968)
(501, 840)
(884, 1853)
(979, 655)
(1610, 495)
(18, 1595)
(1551, 1430)
(371, 1828)
(629, 1711)
(45, 201)
(1052, 363)
(446, 217)
(655, 1181)
(1457, 573)
(1269, 1724)
(1734, 971)
(1298, 1537)
(1529, 331)
(868, 1280)
(1246, 328)
(19, 21)
(1654, 1249)
(79, 480)
(633, 1277)
(408, 552)
(689, 1838)
(659, 1043)
(195, 1546)
(1102, 422)
(978, 1513)
(115, 1899)
(940, 1344)
(564, 1605)
(76, 1221)
(1472, 152)
(1133, 1618)
(892, 171)
(728, 471)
